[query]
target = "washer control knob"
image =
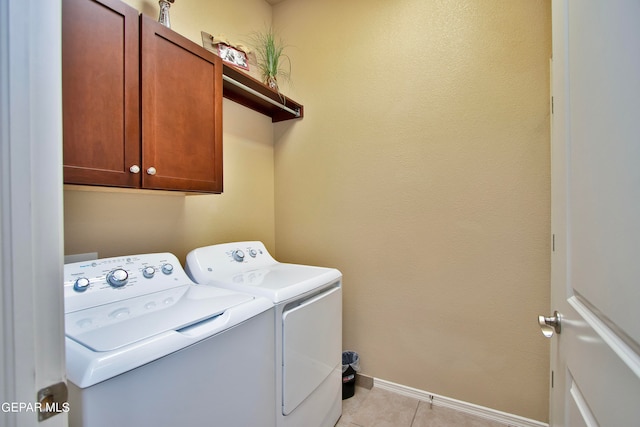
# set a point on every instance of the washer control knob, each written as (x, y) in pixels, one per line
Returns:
(81, 285)
(253, 253)
(117, 278)
(167, 268)
(238, 255)
(148, 272)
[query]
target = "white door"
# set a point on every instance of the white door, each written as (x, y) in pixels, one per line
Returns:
(31, 308)
(595, 360)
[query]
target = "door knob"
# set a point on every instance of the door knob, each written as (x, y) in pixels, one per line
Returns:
(151, 171)
(549, 325)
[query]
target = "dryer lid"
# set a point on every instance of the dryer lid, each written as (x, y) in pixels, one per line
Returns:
(112, 326)
(279, 282)
(248, 267)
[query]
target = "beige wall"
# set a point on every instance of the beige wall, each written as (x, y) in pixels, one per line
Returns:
(421, 171)
(126, 222)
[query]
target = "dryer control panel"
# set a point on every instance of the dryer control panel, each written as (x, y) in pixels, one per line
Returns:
(245, 253)
(102, 281)
(227, 259)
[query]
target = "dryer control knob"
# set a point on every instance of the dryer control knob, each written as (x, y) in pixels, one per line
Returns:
(253, 253)
(117, 278)
(167, 268)
(238, 255)
(148, 272)
(81, 284)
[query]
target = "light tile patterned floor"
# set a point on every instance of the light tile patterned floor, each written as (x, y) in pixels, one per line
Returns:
(382, 408)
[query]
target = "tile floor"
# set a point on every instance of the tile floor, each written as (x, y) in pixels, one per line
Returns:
(382, 408)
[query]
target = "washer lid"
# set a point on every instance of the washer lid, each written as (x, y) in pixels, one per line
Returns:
(112, 326)
(278, 282)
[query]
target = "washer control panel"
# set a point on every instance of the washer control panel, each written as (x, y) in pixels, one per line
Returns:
(103, 281)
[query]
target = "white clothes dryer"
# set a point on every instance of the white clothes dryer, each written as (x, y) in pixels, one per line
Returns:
(146, 346)
(308, 325)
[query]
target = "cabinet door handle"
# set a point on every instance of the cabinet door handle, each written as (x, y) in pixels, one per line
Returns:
(151, 171)
(134, 169)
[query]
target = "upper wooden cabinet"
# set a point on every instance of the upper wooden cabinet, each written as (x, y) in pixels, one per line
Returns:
(142, 105)
(100, 92)
(181, 112)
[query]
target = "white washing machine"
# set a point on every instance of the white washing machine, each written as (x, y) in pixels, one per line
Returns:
(308, 325)
(146, 346)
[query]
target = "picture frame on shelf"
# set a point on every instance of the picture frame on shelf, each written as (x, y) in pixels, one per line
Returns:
(233, 56)
(211, 43)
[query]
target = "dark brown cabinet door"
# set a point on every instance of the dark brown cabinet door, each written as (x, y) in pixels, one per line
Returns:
(181, 112)
(100, 86)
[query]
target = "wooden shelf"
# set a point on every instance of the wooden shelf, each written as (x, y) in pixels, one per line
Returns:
(250, 100)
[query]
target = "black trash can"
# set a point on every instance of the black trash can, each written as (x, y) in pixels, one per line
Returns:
(350, 365)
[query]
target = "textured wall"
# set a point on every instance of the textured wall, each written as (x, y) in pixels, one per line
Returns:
(125, 222)
(421, 171)
(235, 19)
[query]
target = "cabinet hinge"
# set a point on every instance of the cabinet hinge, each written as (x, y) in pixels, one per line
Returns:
(552, 105)
(52, 400)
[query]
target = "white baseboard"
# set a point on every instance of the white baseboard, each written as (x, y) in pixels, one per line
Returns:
(469, 408)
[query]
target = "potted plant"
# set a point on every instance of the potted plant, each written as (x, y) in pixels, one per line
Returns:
(272, 62)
